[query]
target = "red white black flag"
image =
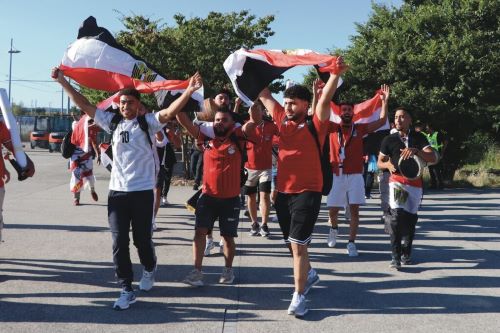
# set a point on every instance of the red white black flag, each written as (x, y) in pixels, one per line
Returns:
(96, 60)
(364, 112)
(250, 71)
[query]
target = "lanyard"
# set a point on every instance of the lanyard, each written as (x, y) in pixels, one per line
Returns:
(341, 137)
(343, 144)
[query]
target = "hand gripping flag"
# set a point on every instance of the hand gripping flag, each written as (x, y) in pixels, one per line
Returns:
(96, 60)
(364, 112)
(250, 71)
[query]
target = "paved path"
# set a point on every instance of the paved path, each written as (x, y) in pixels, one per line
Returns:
(56, 273)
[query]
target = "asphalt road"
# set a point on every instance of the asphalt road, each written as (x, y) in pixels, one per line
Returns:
(56, 271)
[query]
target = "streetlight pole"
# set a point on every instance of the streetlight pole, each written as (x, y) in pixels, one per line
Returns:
(10, 66)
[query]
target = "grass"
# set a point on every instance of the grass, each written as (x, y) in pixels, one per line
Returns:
(485, 173)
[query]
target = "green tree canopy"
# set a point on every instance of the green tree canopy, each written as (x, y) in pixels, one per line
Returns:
(441, 59)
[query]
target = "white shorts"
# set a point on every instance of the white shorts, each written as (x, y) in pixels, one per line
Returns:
(256, 177)
(350, 187)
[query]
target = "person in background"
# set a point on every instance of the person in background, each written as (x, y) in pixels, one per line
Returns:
(439, 143)
(84, 138)
(259, 167)
(169, 159)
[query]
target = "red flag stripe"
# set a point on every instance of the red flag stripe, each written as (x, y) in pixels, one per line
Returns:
(109, 81)
(292, 58)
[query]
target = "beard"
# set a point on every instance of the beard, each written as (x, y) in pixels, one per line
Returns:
(347, 120)
(220, 131)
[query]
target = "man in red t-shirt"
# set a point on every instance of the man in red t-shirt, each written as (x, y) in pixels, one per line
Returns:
(259, 166)
(222, 161)
(346, 157)
(299, 179)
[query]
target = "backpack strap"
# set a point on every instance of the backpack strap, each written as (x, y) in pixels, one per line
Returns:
(114, 124)
(143, 124)
(243, 154)
(312, 130)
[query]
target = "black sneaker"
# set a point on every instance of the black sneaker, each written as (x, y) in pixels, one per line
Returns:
(196, 186)
(395, 264)
(264, 230)
(246, 213)
(254, 230)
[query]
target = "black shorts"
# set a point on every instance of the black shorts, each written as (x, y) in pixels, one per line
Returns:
(297, 215)
(262, 187)
(227, 210)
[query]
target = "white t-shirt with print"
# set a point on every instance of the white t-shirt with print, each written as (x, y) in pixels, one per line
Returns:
(134, 167)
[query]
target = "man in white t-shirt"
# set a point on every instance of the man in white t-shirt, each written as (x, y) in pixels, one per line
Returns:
(133, 177)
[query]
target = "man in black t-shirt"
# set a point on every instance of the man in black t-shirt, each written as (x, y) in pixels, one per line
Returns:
(404, 194)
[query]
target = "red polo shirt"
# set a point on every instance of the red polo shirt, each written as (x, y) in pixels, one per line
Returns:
(352, 140)
(299, 167)
(221, 165)
(259, 152)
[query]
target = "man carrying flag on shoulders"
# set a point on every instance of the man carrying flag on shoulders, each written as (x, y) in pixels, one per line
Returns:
(133, 177)
(299, 180)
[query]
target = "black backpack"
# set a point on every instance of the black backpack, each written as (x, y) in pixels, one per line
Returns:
(67, 148)
(324, 156)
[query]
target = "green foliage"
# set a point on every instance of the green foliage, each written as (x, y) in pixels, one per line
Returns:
(441, 60)
(18, 109)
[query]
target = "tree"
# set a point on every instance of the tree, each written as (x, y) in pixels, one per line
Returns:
(441, 59)
(18, 109)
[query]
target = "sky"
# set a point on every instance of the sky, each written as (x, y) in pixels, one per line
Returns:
(42, 30)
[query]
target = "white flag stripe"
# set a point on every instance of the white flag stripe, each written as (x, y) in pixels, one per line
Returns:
(92, 53)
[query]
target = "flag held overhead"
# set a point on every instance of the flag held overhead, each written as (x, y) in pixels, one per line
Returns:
(97, 61)
(250, 71)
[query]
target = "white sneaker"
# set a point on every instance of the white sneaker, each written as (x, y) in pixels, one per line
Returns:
(147, 280)
(194, 278)
(227, 276)
(312, 280)
(123, 302)
(332, 237)
(351, 249)
(298, 305)
(154, 226)
(164, 201)
(221, 246)
(209, 247)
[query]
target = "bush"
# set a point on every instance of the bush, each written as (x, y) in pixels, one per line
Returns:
(479, 148)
